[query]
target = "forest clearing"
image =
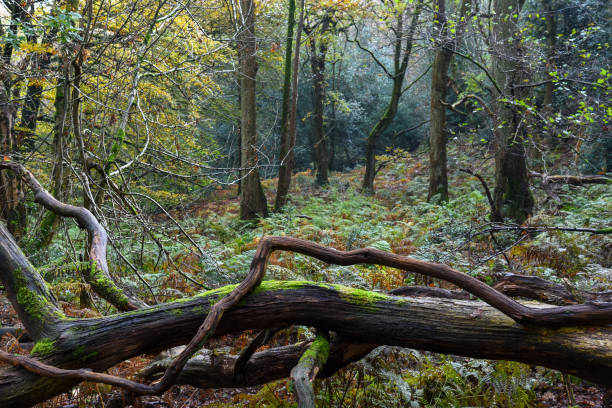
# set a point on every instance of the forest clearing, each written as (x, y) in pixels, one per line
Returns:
(335, 203)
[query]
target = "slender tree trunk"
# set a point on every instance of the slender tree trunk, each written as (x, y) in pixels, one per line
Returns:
(12, 207)
(377, 131)
(288, 125)
(401, 57)
(438, 181)
(512, 196)
(317, 62)
(238, 158)
(284, 169)
(252, 199)
(551, 40)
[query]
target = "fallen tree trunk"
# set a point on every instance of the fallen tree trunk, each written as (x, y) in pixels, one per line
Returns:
(212, 370)
(532, 287)
(569, 179)
(467, 328)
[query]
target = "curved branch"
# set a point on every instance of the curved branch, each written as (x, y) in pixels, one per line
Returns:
(485, 187)
(589, 314)
(454, 106)
(479, 65)
(374, 58)
(98, 275)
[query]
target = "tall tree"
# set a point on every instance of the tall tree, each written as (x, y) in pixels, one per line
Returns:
(551, 42)
(402, 46)
(289, 109)
(512, 196)
(252, 199)
(438, 182)
(318, 52)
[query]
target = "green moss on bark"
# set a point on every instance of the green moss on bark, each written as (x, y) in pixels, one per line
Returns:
(37, 307)
(82, 354)
(317, 353)
(43, 347)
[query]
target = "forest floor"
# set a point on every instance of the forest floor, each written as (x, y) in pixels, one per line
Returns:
(399, 219)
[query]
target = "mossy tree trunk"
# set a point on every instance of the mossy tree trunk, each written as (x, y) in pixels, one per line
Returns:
(512, 196)
(252, 199)
(318, 51)
(468, 328)
(289, 120)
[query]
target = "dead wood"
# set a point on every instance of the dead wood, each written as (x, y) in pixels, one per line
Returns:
(307, 368)
(570, 179)
(97, 275)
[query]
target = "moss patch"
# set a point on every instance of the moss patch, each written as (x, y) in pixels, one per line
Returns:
(34, 304)
(106, 288)
(274, 285)
(82, 354)
(317, 353)
(43, 347)
(361, 297)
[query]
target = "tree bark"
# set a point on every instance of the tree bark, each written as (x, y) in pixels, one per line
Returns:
(252, 198)
(438, 181)
(512, 196)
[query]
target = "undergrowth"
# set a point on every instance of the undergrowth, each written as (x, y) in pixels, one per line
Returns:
(398, 219)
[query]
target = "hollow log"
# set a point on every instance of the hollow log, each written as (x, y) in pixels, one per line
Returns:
(460, 327)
